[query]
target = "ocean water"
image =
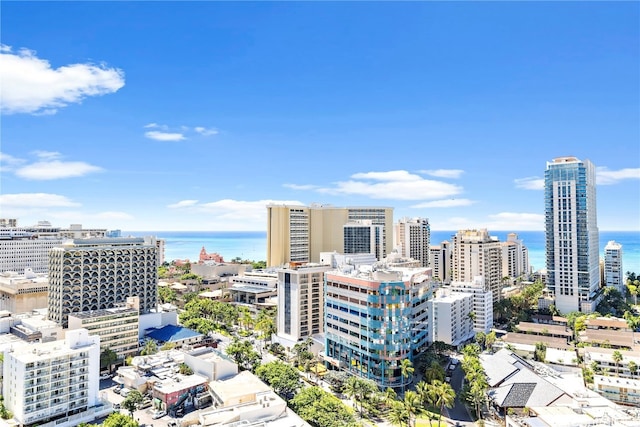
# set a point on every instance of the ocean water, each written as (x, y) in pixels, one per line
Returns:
(252, 245)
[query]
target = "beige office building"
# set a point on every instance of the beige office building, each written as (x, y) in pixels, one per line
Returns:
(476, 253)
(301, 233)
(413, 236)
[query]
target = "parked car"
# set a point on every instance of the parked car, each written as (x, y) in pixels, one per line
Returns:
(158, 414)
(144, 404)
(124, 392)
(117, 388)
(105, 376)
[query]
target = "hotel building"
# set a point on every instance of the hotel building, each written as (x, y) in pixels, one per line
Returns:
(440, 261)
(450, 317)
(96, 274)
(413, 236)
(482, 304)
(571, 231)
(515, 258)
(362, 237)
(301, 233)
(375, 317)
(613, 271)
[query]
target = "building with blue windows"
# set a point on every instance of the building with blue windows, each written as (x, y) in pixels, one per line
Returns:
(572, 240)
(376, 316)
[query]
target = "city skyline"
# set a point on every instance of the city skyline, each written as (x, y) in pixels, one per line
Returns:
(173, 116)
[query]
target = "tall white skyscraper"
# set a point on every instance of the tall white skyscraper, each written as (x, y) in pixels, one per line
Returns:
(613, 272)
(413, 237)
(572, 239)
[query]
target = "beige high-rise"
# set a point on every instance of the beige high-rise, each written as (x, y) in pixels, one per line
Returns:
(300, 233)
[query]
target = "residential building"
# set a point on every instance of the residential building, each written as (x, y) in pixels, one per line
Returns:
(21, 250)
(117, 327)
(300, 233)
(23, 293)
(571, 231)
(613, 270)
(476, 253)
(515, 258)
(624, 391)
(451, 319)
(362, 236)
(376, 316)
(54, 382)
(300, 302)
(482, 304)
(413, 237)
(440, 261)
(95, 274)
(604, 361)
(210, 363)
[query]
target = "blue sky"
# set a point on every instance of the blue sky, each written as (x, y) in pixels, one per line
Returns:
(193, 116)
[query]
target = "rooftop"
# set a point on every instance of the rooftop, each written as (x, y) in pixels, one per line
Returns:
(530, 339)
(541, 328)
(179, 382)
(104, 312)
(171, 333)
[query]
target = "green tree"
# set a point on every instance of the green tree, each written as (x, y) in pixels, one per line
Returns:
(243, 354)
(150, 347)
(360, 390)
(633, 368)
(617, 358)
(5, 414)
(130, 403)
(166, 294)
(184, 369)
(398, 414)
(321, 409)
(412, 405)
(389, 397)
(444, 396)
(406, 370)
(540, 353)
(107, 358)
(336, 380)
(490, 339)
(117, 419)
(259, 265)
(434, 372)
(280, 376)
(480, 338)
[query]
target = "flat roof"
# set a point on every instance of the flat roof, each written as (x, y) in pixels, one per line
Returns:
(520, 338)
(617, 338)
(542, 328)
(171, 333)
(103, 312)
(239, 385)
(252, 289)
(179, 382)
(604, 322)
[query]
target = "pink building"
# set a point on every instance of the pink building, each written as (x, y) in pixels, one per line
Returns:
(204, 256)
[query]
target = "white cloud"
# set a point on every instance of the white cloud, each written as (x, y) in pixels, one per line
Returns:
(164, 136)
(530, 183)
(151, 125)
(47, 155)
(300, 187)
(31, 85)
(446, 203)
(55, 169)
(183, 204)
(607, 177)
(35, 200)
(444, 173)
(205, 132)
(8, 162)
(393, 185)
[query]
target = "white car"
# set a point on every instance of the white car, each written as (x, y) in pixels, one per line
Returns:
(105, 376)
(158, 414)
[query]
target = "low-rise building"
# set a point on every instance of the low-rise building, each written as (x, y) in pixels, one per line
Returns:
(210, 363)
(625, 391)
(23, 293)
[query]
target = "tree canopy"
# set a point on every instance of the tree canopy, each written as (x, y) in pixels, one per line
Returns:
(322, 409)
(283, 378)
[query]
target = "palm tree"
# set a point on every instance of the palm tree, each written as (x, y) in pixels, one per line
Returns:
(353, 389)
(477, 396)
(411, 404)
(398, 414)
(434, 372)
(406, 370)
(443, 395)
(390, 396)
(617, 358)
(633, 368)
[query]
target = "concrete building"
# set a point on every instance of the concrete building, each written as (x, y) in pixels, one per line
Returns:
(364, 237)
(450, 315)
(55, 382)
(300, 302)
(571, 231)
(20, 251)
(117, 327)
(300, 233)
(376, 316)
(482, 304)
(440, 261)
(413, 238)
(210, 363)
(23, 293)
(515, 258)
(613, 270)
(254, 287)
(624, 391)
(476, 253)
(95, 274)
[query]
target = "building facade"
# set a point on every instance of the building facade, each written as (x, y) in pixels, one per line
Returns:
(451, 320)
(374, 318)
(440, 261)
(413, 237)
(613, 270)
(571, 231)
(476, 253)
(362, 237)
(482, 304)
(515, 258)
(23, 293)
(52, 381)
(301, 233)
(96, 274)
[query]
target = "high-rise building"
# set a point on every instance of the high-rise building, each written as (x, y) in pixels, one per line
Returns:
(54, 381)
(413, 236)
(613, 272)
(515, 258)
(301, 233)
(482, 302)
(300, 302)
(376, 316)
(440, 261)
(476, 253)
(450, 314)
(96, 274)
(571, 230)
(362, 237)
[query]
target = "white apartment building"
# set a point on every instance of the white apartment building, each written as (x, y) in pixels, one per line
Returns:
(413, 237)
(300, 302)
(476, 253)
(362, 236)
(482, 304)
(95, 274)
(21, 252)
(54, 382)
(440, 261)
(450, 317)
(515, 258)
(613, 270)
